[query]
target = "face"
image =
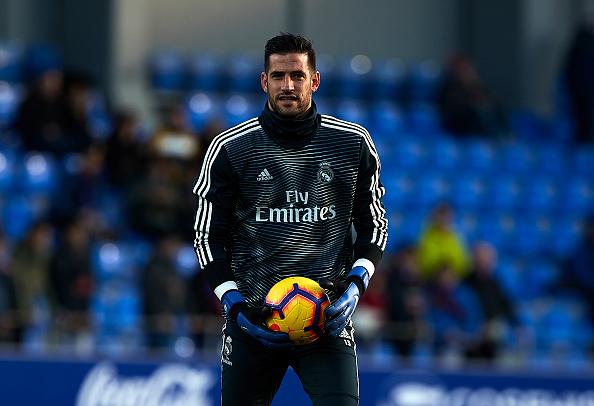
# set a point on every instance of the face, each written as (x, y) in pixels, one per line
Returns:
(289, 83)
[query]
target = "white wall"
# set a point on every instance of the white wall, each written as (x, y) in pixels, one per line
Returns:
(412, 30)
(227, 25)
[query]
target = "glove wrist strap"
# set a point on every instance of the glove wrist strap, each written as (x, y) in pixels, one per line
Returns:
(232, 301)
(360, 274)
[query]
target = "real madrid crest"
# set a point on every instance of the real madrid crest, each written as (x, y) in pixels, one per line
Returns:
(325, 173)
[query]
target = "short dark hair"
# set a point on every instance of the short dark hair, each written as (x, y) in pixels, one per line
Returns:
(286, 43)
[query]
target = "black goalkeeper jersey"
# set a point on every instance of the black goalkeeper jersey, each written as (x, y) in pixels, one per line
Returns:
(269, 208)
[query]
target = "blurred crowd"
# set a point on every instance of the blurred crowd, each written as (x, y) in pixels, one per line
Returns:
(437, 294)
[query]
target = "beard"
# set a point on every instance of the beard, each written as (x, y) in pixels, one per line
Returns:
(297, 109)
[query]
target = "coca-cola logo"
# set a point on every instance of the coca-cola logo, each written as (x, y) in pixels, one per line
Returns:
(169, 385)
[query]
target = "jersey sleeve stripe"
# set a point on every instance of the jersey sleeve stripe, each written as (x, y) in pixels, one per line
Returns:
(215, 148)
(202, 186)
(377, 211)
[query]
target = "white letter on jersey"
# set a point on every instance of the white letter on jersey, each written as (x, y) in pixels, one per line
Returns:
(259, 214)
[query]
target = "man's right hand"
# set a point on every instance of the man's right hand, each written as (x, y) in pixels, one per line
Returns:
(251, 322)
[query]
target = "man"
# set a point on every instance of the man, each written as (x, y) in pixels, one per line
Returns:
(277, 197)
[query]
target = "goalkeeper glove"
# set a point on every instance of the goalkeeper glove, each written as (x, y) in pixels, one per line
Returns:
(238, 312)
(339, 313)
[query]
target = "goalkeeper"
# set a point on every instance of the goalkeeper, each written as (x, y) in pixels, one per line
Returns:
(279, 196)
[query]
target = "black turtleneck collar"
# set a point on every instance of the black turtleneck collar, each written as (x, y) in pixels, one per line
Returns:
(289, 131)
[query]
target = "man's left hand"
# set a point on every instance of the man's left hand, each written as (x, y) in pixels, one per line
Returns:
(339, 312)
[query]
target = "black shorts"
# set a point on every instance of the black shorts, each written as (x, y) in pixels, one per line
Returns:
(252, 373)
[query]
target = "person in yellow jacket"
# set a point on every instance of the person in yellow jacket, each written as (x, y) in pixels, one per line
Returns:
(441, 245)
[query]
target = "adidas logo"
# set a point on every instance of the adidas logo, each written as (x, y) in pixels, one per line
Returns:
(264, 175)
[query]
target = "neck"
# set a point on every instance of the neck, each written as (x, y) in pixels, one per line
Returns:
(302, 126)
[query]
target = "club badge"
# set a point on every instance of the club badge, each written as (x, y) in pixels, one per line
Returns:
(325, 173)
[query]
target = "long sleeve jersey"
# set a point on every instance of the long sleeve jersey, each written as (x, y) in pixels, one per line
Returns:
(269, 209)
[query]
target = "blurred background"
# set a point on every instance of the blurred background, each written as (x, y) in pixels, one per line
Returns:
(483, 114)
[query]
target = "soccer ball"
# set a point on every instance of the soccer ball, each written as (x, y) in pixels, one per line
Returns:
(298, 306)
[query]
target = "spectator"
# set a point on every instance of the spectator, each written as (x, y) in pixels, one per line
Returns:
(71, 281)
(125, 153)
(497, 308)
(163, 294)
(8, 304)
(84, 188)
(156, 207)
(30, 264)
(579, 79)
(370, 318)
(77, 93)
(406, 302)
(440, 245)
(465, 105)
(203, 309)
(40, 117)
(455, 313)
(158, 202)
(174, 140)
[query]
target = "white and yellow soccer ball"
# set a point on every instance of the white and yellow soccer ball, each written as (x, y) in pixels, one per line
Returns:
(298, 306)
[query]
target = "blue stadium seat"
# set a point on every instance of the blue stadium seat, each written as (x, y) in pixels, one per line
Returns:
(386, 121)
(423, 80)
(530, 234)
(429, 188)
(540, 276)
(409, 154)
(239, 108)
(502, 193)
(539, 193)
(478, 155)
(566, 234)
(11, 61)
(582, 160)
(399, 190)
(205, 72)
(496, 227)
(7, 172)
(201, 109)
(555, 329)
(529, 126)
(167, 70)
(10, 98)
(407, 225)
(243, 73)
(39, 175)
(325, 106)
(327, 67)
(388, 79)
(549, 159)
(354, 76)
(576, 195)
(423, 120)
(18, 214)
(467, 222)
(186, 262)
(113, 261)
(351, 110)
(444, 154)
(515, 157)
(115, 308)
(467, 191)
(509, 273)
